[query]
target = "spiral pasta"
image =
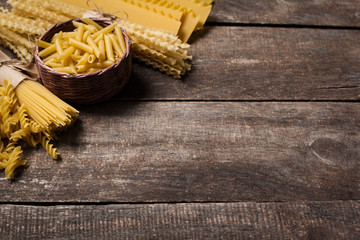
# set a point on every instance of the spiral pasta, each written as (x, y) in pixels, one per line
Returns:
(45, 142)
(17, 125)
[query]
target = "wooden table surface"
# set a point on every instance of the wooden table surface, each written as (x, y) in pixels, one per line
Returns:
(259, 141)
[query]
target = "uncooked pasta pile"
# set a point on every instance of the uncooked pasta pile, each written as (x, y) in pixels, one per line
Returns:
(32, 114)
(29, 19)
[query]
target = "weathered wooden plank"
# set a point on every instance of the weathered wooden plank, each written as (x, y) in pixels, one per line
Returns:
(245, 63)
(298, 220)
(199, 151)
(299, 12)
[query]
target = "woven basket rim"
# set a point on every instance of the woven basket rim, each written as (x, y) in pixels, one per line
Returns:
(81, 75)
(85, 88)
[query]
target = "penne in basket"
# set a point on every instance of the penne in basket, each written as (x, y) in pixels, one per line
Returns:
(84, 63)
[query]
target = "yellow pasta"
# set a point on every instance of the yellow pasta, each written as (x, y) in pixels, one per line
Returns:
(86, 34)
(102, 47)
(80, 32)
(92, 22)
(105, 30)
(84, 59)
(89, 47)
(95, 48)
(66, 53)
(16, 124)
(120, 38)
(43, 44)
(49, 50)
(99, 38)
(49, 147)
(109, 48)
(64, 70)
(81, 45)
(116, 45)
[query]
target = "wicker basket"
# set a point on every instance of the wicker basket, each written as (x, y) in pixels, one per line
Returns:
(85, 88)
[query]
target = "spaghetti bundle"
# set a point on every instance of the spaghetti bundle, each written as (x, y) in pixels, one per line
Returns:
(33, 114)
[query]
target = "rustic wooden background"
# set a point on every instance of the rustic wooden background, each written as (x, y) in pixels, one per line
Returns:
(259, 141)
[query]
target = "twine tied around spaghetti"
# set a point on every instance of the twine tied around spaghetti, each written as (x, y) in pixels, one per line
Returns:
(101, 14)
(16, 70)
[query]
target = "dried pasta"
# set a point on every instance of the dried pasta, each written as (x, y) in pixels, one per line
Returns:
(31, 8)
(98, 45)
(21, 52)
(32, 114)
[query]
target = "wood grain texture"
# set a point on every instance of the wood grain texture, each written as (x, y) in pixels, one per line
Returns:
(198, 151)
(247, 63)
(300, 220)
(299, 12)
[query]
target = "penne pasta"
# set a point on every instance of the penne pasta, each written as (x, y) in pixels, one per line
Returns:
(81, 45)
(80, 32)
(84, 59)
(63, 69)
(102, 48)
(116, 45)
(92, 22)
(120, 38)
(66, 53)
(43, 44)
(47, 51)
(87, 49)
(105, 30)
(95, 48)
(109, 48)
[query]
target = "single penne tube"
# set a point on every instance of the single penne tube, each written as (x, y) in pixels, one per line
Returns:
(102, 48)
(97, 40)
(43, 44)
(67, 35)
(81, 45)
(80, 32)
(83, 68)
(83, 59)
(87, 66)
(52, 56)
(53, 64)
(109, 48)
(63, 69)
(47, 51)
(89, 21)
(86, 34)
(76, 24)
(116, 45)
(92, 70)
(92, 44)
(56, 36)
(120, 38)
(66, 53)
(72, 66)
(85, 26)
(75, 57)
(104, 64)
(105, 30)
(59, 48)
